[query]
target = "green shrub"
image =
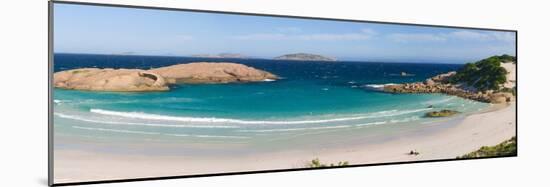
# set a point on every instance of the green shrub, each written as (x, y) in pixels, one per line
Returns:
(315, 163)
(506, 148)
(486, 74)
(507, 58)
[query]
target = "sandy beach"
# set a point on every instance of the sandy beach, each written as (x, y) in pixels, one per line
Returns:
(263, 94)
(439, 140)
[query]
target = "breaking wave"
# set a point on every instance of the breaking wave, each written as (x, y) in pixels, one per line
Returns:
(147, 116)
(377, 86)
(139, 124)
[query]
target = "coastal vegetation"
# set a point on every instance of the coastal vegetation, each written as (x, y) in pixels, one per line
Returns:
(316, 163)
(486, 74)
(509, 90)
(441, 113)
(506, 148)
(485, 81)
(506, 58)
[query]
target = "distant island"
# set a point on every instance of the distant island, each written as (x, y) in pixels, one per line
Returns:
(220, 55)
(158, 79)
(305, 57)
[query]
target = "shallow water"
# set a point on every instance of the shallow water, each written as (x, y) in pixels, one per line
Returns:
(312, 98)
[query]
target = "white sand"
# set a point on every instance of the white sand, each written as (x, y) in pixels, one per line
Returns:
(489, 128)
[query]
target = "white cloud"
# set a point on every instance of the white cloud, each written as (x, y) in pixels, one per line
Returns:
(331, 37)
(505, 36)
(417, 37)
(483, 36)
(368, 31)
(457, 35)
(363, 34)
(469, 35)
(294, 33)
(262, 36)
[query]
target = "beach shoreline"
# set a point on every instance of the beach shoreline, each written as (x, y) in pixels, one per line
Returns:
(456, 138)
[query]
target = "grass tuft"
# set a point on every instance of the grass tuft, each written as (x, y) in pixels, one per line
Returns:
(316, 163)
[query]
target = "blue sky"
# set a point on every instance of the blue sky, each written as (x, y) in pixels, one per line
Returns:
(110, 30)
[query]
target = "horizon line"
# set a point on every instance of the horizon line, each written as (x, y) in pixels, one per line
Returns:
(268, 58)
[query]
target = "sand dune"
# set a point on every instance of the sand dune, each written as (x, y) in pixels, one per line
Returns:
(511, 77)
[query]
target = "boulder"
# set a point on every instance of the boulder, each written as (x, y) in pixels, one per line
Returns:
(501, 97)
(429, 82)
(441, 113)
(443, 78)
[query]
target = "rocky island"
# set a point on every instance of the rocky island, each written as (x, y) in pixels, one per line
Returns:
(158, 79)
(305, 57)
(489, 80)
(221, 55)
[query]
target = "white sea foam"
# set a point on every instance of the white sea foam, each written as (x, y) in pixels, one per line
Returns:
(295, 129)
(377, 86)
(372, 123)
(414, 118)
(59, 102)
(156, 133)
(269, 80)
(116, 130)
(126, 101)
(212, 136)
(140, 115)
(409, 111)
(206, 136)
(140, 124)
(146, 116)
(445, 100)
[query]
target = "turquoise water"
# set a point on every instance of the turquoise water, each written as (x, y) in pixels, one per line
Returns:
(311, 97)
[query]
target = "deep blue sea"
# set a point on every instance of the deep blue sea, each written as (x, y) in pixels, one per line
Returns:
(312, 97)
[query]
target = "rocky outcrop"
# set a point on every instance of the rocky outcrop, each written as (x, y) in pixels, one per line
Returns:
(137, 80)
(441, 113)
(440, 84)
(305, 57)
(204, 72)
(94, 79)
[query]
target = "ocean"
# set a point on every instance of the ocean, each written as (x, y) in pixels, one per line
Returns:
(313, 99)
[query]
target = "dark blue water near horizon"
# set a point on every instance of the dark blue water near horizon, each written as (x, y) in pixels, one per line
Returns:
(336, 72)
